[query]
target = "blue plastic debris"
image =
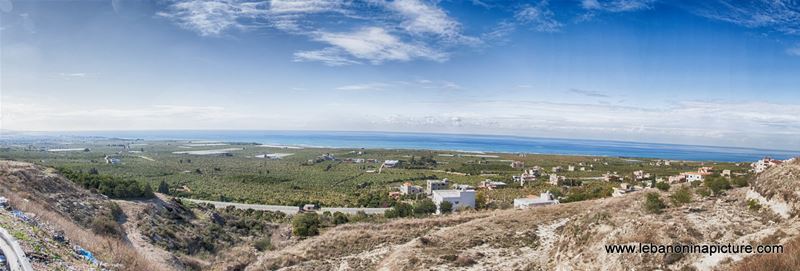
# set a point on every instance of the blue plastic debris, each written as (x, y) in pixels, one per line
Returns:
(87, 255)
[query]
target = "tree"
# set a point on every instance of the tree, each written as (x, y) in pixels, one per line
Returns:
(445, 207)
(424, 207)
(163, 187)
(306, 224)
(147, 191)
(653, 203)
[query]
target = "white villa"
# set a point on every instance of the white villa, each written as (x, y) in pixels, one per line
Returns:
(545, 198)
(459, 198)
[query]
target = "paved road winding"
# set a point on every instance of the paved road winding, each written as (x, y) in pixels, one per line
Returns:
(287, 209)
(14, 255)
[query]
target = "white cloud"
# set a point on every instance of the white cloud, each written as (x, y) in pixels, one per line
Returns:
(381, 31)
(420, 84)
(368, 86)
(794, 51)
(425, 18)
(779, 15)
(372, 44)
(617, 5)
(213, 17)
(540, 16)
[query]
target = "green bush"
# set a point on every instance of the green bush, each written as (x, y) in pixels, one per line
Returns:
(753, 204)
(681, 196)
(424, 207)
(306, 224)
(653, 203)
(739, 181)
(445, 207)
(717, 184)
(703, 191)
(663, 186)
(340, 218)
(263, 244)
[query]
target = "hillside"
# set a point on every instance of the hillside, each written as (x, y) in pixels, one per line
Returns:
(166, 234)
(45, 206)
(561, 237)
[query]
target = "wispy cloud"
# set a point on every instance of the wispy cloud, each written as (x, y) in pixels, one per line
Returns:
(372, 44)
(540, 16)
(617, 5)
(366, 32)
(420, 84)
(213, 17)
(778, 15)
(794, 50)
(589, 93)
(367, 86)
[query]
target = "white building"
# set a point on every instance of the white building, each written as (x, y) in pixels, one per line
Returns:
(517, 164)
(390, 163)
(763, 164)
(622, 190)
(694, 176)
(545, 198)
(436, 185)
(489, 184)
(726, 173)
(555, 178)
(570, 168)
(459, 198)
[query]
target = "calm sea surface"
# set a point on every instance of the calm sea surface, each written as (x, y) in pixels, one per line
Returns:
(459, 143)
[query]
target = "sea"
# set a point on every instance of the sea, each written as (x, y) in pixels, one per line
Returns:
(451, 142)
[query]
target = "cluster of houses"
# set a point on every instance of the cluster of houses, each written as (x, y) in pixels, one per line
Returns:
(763, 164)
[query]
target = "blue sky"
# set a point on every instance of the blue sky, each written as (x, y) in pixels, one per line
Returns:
(696, 72)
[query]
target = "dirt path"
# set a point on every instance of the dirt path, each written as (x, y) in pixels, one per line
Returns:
(160, 257)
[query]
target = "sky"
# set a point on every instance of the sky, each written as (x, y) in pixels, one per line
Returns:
(717, 72)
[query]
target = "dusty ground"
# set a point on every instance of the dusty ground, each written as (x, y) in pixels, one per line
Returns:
(560, 237)
(157, 255)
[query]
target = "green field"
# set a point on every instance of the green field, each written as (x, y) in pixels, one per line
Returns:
(292, 180)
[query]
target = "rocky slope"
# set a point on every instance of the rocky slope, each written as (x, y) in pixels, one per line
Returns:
(562, 237)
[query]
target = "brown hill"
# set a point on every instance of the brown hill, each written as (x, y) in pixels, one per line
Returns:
(561, 237)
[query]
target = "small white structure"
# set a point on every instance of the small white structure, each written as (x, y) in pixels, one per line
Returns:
(556, 169)
(640, 175)
(433, 185)
(726, 173)
(555, 178)
(459, 198)
(545, 198)
(570, 168)
(694, 176)
(489, 184)
(390, 163)
(463, 187)
(677, 178)
(517, 164)
(622, 190)
(112, 160)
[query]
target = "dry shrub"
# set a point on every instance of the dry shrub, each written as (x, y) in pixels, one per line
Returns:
(788, 260)
(108, 249)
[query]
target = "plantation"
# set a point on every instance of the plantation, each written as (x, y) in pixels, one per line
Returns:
(343, 177)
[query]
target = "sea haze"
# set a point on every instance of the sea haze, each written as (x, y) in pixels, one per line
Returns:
(451, 142)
